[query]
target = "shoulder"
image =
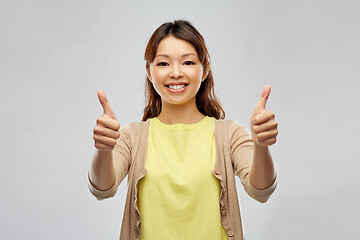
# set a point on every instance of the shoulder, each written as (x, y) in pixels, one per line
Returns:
(136, 125)
(232, 131)
(135, 128)
(229, 125)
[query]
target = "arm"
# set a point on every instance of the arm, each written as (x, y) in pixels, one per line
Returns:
(242, 150)
(262, 174)
(250, 155)
(263, 132)
(102, 172)
(108, 169)
(106, 161)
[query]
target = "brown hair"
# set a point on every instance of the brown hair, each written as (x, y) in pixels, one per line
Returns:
(206, 100)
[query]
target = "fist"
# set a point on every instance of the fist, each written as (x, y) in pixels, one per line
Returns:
(262, 122)
(106, 131)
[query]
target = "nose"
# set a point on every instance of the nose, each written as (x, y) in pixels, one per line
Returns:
(176, 72)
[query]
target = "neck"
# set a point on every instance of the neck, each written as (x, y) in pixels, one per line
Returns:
(184, 113)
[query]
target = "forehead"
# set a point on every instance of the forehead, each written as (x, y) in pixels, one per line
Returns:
(173, 46)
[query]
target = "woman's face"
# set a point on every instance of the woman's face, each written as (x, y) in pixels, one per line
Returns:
(176, 72)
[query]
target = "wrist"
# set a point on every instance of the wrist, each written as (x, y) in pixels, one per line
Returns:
(261, 148)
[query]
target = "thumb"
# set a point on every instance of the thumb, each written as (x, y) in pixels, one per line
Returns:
(105, 104)
(264, 97)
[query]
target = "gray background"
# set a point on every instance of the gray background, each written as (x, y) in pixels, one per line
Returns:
(54, 55)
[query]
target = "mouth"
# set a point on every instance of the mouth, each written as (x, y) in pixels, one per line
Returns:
(176, 87)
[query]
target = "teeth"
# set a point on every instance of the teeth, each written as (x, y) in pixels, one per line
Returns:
(176, 86)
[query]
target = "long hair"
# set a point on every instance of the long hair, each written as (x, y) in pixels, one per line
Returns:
(206, 100)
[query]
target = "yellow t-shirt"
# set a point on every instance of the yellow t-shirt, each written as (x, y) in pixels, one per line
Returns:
(179, 196)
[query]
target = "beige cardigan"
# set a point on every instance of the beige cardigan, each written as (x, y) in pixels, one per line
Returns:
(234, 155)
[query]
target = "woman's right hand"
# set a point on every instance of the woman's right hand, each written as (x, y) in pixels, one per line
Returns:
(106, 131)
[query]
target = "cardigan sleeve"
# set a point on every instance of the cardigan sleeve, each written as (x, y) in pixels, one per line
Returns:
(121, 160)
(241, 154)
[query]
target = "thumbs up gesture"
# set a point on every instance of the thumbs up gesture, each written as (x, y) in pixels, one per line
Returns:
(262, 122)
(106, 130)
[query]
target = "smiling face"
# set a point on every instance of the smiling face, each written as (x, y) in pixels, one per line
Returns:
(176, 72)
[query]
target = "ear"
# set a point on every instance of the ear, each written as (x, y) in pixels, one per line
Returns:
(147, 66)
(205, 74)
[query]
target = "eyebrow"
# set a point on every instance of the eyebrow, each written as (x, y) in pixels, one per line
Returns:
(167, 56)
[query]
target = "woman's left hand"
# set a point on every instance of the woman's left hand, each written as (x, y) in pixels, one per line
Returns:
(262, 122)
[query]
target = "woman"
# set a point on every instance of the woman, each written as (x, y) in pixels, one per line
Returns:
(181, 160)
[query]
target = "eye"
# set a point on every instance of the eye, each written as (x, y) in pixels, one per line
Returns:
(189, 63)
(162, 64)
